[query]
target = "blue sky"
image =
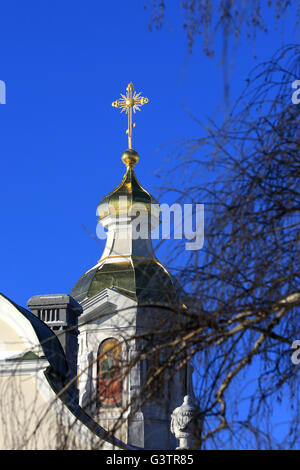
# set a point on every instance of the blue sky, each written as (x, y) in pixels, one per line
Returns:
(61, 141)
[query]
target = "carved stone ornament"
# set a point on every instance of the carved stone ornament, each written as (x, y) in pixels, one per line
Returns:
(182, 423)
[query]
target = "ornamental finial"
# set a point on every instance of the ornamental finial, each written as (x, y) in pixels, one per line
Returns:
(130, 101)
(183, 424)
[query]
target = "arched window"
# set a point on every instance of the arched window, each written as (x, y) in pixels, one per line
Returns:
(109, 393)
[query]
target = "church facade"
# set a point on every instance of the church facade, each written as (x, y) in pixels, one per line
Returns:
(94, 368)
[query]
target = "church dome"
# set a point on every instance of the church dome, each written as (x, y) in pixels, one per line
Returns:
(127, 193)
(141, 279)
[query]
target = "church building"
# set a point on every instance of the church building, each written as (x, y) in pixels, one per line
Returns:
(102, 366)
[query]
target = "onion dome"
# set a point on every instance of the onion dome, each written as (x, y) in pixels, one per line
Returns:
(127, 193)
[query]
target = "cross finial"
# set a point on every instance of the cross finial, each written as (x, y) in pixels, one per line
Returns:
(132, 101)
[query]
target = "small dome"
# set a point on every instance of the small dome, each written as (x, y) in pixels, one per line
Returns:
(126, 194)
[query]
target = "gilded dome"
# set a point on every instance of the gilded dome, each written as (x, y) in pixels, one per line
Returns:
(141, 279)
(125, 195)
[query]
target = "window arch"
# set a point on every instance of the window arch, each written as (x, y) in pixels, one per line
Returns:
(110, 382)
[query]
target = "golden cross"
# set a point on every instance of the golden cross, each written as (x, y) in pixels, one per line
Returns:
(128, 103)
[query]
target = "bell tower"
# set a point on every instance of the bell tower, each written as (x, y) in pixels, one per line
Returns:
(131, 306)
